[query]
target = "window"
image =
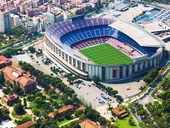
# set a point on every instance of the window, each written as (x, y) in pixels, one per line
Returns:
(70, 59)
(74, 62)
(121, 70)
(59, 52)
(127, 70)
(66, 57)
(63, 55)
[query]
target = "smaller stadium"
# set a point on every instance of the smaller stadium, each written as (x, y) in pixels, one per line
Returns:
(112, 50)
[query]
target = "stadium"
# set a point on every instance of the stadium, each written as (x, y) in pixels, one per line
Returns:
(112, 50)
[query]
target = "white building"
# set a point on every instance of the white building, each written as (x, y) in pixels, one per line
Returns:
(40, 21)
(66, 15)
(14, 20)
(50, 17)
(54, 2)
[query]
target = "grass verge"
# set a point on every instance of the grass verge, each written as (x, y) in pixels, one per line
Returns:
(20, 116)
(124, 123)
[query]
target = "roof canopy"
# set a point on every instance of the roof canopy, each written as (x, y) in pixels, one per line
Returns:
(141, 36)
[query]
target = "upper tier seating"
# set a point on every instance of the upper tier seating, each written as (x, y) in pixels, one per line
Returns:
(71, 32)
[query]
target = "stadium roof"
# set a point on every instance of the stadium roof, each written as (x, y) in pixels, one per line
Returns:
(141, 36)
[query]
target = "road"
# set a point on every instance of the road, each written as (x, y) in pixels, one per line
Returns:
(146, 97)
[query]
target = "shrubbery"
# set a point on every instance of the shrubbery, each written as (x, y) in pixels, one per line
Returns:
(131, 122)
(25, 119)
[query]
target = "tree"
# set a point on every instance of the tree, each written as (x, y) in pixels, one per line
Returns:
(96, 79)
(19, 109)
(114, 92)
(165, 83)
(165, 95)
(68, 116)
(109, 90)
(166, 105)
(25, 103)
(25, 119)
(39, 100)
(4, 114)
(131, 122)
(17, 90)
(119, 99)
(36, 111)
(1, 78)
(20, 63)
(31, 49)
(141, 112)
(92, 114)
(102, 120)
(151, 75)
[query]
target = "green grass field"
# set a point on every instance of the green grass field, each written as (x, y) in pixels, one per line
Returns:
(106, 54)
(124, 123)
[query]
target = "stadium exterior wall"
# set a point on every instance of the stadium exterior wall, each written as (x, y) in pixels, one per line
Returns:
(107, 73)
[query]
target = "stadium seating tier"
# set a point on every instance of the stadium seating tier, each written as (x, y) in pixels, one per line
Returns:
(75, 32)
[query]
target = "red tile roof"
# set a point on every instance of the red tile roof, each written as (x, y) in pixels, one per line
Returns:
(52, 115)
(88, 124)
(65, 108)
(3, 58)
(26, 125)
(120, 111)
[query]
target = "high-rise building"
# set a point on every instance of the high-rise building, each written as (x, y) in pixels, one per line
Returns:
(60, 2)
(5, 23)
(54, 2)
(15, 20)
(50, 17)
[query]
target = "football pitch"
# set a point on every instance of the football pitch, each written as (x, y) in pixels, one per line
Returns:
(106, 54)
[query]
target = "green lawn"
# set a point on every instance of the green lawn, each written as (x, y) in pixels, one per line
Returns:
(106, 54)
(62, 122)
(20, 116)
(32, 105)
(124, 123)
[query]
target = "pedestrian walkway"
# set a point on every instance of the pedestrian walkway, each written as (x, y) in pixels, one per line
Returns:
(69, 122)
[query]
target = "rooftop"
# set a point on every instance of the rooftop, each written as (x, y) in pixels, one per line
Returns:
(88, 124)
(141, 36)
(52, 115)
(65, 108)
(120, 6)
(11, 97)
(25, 81)
(26, 125)
(82, 108)
(19, 76)
(120, 111)
(3, 59)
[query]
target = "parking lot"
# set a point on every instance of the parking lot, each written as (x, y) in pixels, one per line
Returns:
(91, 94)
(127, 15)
(127, 88)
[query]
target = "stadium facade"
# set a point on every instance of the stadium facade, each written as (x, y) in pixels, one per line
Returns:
(65, 39)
